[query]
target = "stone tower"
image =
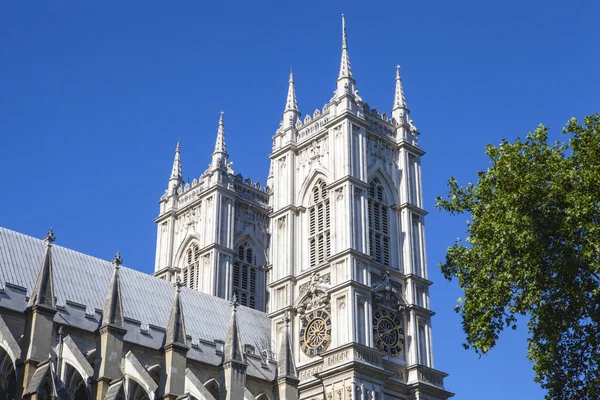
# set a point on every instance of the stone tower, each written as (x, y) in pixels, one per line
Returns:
(213, 231)
(347, 247)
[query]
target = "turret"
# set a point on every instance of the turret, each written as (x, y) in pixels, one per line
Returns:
(174, 350)
(110, 333)
(39, 319)
(233, 368)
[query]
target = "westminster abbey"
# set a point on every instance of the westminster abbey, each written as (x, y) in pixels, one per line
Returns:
(312, 286)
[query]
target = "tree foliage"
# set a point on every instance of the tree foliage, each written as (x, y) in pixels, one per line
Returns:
(532, 249)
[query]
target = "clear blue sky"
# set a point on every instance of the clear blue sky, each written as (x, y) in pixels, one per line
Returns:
(94, 95)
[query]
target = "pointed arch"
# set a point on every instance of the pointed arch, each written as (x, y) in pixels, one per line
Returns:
(195, 388)
(262, 396)
(134, 371)
(305, 189)
(180, 253)
(75, 383)
(388, 185)
(213, 388)
(188, 260)
(8, 376)
(8, 343)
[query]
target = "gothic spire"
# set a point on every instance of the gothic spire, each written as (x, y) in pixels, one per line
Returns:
(219, 155)
(232, 349)
(291, 104)
(112, 314)
(220, 143)
(176, 170)
(345, 69)
(399, 100)
(176, 179)
(175, 333)
(43, 291)
(400, 111)
(345, 81)
(285, 364)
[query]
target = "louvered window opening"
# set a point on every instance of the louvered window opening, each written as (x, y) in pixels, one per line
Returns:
(245, 276)
(379, 233)
(190, 272)
(319, 221)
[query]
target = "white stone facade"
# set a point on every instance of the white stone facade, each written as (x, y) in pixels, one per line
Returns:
(337, 236)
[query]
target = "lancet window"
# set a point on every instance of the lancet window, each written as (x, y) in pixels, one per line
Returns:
(379, 233)
(245, 273)
(192, 266)
(319, 222)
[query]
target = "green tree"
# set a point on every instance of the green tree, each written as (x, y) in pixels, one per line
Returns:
(532, 249)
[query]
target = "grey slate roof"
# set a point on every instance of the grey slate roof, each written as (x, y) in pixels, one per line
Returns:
(84, 279)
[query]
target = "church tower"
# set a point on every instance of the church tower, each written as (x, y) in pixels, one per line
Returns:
(347, 248)
(212, 232)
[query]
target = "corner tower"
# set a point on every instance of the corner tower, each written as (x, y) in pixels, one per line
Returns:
(347, 248)
(212, 231)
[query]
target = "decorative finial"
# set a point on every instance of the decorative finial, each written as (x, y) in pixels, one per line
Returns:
(50, 238)
(234, 303)
(117, 261)
(178, 284)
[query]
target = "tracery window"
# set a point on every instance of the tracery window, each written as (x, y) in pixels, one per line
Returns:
(319, 222)
(245, 274)
(379, 234)
(192, 265)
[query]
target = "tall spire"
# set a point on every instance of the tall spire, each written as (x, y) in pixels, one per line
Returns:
(399, 100)
(232, 349)
(175, 333)
(112, 314)
(345, 69)
(175, 180)
(176, 170)
(291, 103)
(345, 81)
(220, 156)
(400, 111)
(43, 291)
(220, 143)
(285, 364)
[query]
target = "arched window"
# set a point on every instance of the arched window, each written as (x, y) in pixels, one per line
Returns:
(8, 377)
(244, 276)
(75, 385)
(189, 273)
(319, 221)
(379, 233)
(45, 391)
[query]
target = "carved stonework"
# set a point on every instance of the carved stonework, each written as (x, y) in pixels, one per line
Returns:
(315, 280)
(313, 294)
(314, 154)
(387, 293)
(379, 151)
